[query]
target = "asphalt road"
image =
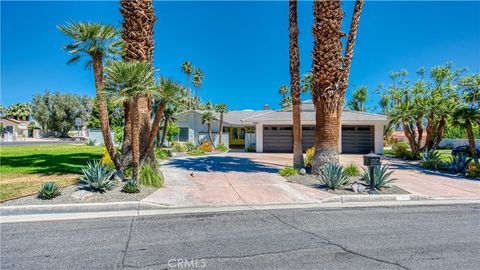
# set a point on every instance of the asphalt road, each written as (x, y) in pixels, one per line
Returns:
(420, 237)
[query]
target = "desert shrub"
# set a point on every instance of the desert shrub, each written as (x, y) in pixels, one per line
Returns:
(150, 176)
(179, 147)
(206, 147)
(128, 172)
(190, 146)
(430, 159)
(162, 153)
(287, 171)
(196, 152)
(334, 176)
(222, 148)
(251, 148)
(90, 142)
(106, 160)
(459, 162)
(473, 170)
(352, 170)
(97, 176)
(382, 176)
(131, 186)
(400, 149)
(309, 157)
(49, 190)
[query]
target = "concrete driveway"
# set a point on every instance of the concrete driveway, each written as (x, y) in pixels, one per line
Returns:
(230, 179)
(252, 179)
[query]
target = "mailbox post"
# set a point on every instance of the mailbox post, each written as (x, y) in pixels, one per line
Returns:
(371, 161)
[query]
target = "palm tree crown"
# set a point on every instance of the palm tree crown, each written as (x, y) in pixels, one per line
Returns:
(207, 117)
(168, 91)
(463, 117)
(126, 80)
(93, 39)
(221, 108)
(197, 78)
(187, 67)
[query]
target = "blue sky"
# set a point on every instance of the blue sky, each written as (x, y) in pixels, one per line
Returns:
(242, 47)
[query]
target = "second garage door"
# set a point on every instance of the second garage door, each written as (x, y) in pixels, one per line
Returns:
(357, 139)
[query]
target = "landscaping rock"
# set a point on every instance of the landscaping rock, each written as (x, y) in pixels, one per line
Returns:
(82, 195)
(302, 171)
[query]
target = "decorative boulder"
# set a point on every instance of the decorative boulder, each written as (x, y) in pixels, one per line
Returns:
(302, 171)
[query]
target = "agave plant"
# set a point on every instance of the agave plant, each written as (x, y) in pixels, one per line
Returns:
(381, 176)
(430, 159)
(97, 176)
(334, 176)
(131, 186)
(49, 190)
(459, 163)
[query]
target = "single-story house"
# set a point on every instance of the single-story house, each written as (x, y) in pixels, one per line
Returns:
(271, 130)
(13, 129)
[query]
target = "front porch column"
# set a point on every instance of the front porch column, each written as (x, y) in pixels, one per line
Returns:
(259, 138)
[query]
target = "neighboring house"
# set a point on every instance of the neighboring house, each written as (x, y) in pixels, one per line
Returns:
(14, 129)
(271, 131)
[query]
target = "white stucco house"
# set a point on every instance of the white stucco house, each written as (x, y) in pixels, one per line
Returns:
(271, 130)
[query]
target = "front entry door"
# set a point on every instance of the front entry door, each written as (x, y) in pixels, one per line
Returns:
(237, 136)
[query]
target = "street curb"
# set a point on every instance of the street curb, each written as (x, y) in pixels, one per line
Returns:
(374, 198)
(77, 208)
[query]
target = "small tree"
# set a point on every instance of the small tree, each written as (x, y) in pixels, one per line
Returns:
(221, 109)
(56, 112)
(424, 106)
(464, 117)
(359, 97)
(207, 118)
(18, 111)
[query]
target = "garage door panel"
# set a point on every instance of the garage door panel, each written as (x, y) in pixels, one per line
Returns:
(357, 139)
(277, 139)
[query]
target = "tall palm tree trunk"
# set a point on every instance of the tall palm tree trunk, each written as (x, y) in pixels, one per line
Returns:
(326, 73)
(165, 128)
(209, 125)
(135, 138)
(295, 86)
(220, 131)
(139, 19)
(155, 127)
(352, 35)
(472, 148)
(97, 62)
(126, 157)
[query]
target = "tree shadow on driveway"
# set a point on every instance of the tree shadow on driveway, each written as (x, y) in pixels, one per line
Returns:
(222, 164)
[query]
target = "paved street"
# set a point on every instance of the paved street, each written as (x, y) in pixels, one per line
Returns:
(417, 237)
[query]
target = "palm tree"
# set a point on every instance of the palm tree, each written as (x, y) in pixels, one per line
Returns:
(221, 109)
(97, 41)
(359, 97)
(168, 92)
(138, 21)
(187, 68)
(168, 116)
(207, 118)
(19, 111)
(463, 117)
(197, 82)
(126, 82)
(295, 86)
(330, 71)
(307, 83)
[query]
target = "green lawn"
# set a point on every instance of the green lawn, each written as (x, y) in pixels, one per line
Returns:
(23, 169)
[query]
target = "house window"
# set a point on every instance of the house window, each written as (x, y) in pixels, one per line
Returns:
(183, 135)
